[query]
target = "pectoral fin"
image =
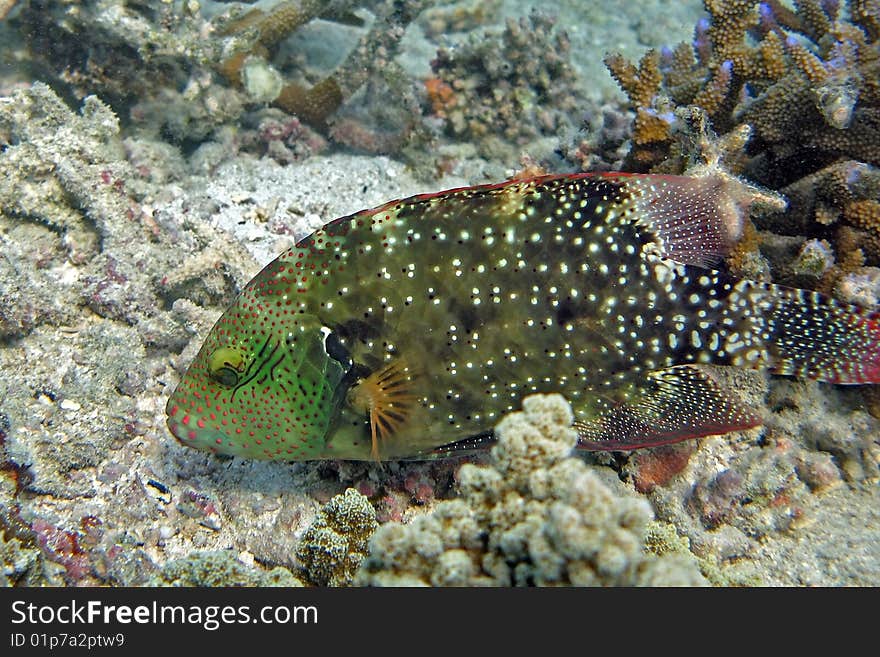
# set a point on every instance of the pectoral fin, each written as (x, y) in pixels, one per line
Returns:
(389, 399)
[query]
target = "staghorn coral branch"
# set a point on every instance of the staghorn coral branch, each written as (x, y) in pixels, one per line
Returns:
(5, 7)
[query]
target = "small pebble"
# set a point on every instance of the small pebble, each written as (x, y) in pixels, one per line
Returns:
(70, 405)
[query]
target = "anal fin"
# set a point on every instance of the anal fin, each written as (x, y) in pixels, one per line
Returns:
(678, 403)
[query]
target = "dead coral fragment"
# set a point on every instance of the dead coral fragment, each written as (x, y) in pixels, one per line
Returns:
(334, 545)
(265, 31)
(45, 169)
(535, 516)
(116, 49)
(372, 56)
(5, 7)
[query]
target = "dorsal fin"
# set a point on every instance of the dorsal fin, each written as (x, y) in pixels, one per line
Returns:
(697, 220)
(678, 403)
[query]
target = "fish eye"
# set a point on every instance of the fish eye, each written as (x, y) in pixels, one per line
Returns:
(225, 376)
(225, 366)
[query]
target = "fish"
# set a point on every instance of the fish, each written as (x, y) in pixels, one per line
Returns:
(407, 331)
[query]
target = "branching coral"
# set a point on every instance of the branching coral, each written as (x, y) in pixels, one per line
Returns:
(61, 171)
(534, 516)
(805, 80)
(836, 205)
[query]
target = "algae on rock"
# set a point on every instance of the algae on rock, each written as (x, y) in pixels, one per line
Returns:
(220, 568)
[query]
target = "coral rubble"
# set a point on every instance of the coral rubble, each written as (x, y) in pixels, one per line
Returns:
(68, 186)
(504, 91)
(173, 72)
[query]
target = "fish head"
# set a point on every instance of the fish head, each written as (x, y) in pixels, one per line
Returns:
(267, 382)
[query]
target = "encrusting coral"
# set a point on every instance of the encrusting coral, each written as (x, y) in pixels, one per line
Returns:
(534, 516)
(219, 568)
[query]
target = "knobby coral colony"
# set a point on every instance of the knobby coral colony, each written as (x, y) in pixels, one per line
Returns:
(408, 330)
(533, 515)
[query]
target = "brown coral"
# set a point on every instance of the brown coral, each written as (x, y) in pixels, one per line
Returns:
(651, 129)
(866, 14)
(311, 105)
(640, 84)
(806, 80)
(865, 214)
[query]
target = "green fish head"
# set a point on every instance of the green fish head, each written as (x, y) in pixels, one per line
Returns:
(263, 384)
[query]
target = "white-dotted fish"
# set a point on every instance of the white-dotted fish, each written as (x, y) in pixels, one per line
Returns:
(407, 331)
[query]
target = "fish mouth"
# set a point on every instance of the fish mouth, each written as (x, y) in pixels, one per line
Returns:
(186, 427)
(177, 427)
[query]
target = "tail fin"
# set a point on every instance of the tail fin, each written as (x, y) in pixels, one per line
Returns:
(814, 336)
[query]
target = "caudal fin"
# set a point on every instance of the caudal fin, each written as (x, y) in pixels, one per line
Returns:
(814, 336)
